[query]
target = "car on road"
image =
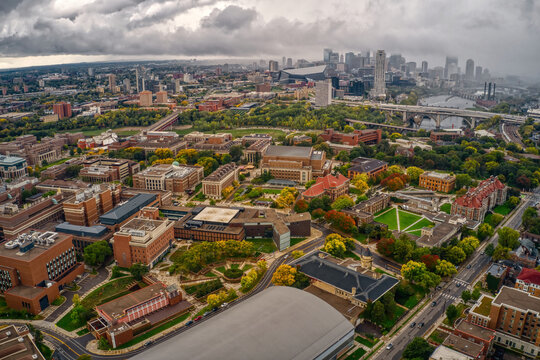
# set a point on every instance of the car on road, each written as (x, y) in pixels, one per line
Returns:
(189, 322)
(148, 343)
(458, 285)
(206, 313)
(413, 324)
(433, 304)
(224, 305)
(420, 325)
(389, 346)
(197, 318)
(469, 266)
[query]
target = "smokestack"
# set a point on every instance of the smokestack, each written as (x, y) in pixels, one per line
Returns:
(489, 91)
(493, 96)
(485, 89)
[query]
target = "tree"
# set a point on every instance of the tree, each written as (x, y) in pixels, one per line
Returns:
(445, 268)
(284, 275)
(76, 299)
(209, 164)
(335, 248)
(417, 349)
(138, 270)
(301, 206)
(297, 254)
(430, 261)
(489, 249)
(476, 294)
(72, 171)
(413, 271)
(456, 255)
(485, 231)
(286, 197)
(103, 344)
(513, 201)
(492, 283)
(508, 237)
(164, 153)
(342, 156)
(377, 313)
(469, 244)
(386, 246)
(466, 295)
(495, 219)
(96, 253)
(452, 313)
(342, 202)
(463, 180)
(236, 152)
(501, 253)
(414, 173)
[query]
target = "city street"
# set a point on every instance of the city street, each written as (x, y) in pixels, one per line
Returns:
(451, 292)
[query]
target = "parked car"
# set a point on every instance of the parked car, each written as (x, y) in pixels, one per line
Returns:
(433, 304)
(458, 285)
(148, 343)
(224, 305)
(389, 346)
(420, 325)
(189, 322)
(207, 313)
(197, 318)
(413, 324)
(469, 266)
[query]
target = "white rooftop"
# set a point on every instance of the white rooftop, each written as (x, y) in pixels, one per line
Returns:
(214, 214)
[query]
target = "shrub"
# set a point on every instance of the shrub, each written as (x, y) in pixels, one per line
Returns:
(233, 273)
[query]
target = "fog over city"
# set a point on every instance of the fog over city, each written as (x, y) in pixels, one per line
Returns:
(501, 35)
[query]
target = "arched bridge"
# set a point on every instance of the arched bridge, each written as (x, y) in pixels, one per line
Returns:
(416, 113)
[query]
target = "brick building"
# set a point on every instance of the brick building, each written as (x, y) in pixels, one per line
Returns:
(221, 178)
(514, 315)
(62, 109)
(329, 185)
(16, 344)
(47, 149)
(435, 181)
(34, 267)
(479, 200)
(295, 163)
(150, 141)
(369, 137)
(100, 169)
(12, 167)
(143, 240)
(175, 178)
(121, 214)
(444, 136)
(84, 235)
(529, 280)
(476, 334)
(370, 167)
(363, 212)
(87, 205)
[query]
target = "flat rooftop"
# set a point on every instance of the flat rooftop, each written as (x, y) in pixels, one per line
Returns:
(278, 323)
(288, 151)
(439, 175)
(33, 253)
(216, 215)
(115, 308)
(518, 299)
(462, 345)
(475, 330)
(12, 348)
(178, 171)
(140, 225)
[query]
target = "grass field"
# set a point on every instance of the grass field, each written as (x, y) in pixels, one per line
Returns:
(357, 354)
(263, 245)
(502, 209)
(415, 232)
(389, 218)
(419, 225)
(406, 219)
(446, 207)
(295, 241)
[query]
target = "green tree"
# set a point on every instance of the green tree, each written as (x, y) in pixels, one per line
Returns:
(236, 152)
(342, 202)
(469, 244)
(466, 295)
(501, 253)
(452, 313)
(418, 349)
(508, 237)
(72, 171)
(489, 249)
(414, 173)
(378, 313)
(456, 255)
(492, 283)
(485, 231)
(463, 180)
(413, 271)
(138, 270)
(476, 294)
(96, 253)
(445, 268)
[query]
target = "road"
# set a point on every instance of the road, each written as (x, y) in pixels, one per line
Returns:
(451, 292)
(511, 134)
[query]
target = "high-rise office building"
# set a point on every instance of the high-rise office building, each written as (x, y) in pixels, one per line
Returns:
(478, 73)
(379, 84)
(289, 62)
(62, 109)
(137, 79)
(161, 97)
(112, 83)
(326, 55)
(283, 61)
(469, 69)
(273, 66)
(349, 59)
(145, 98)
(127, 85)
(451, 66)
(395, 61)
(424, 66)
(323, 93)
(90, 71)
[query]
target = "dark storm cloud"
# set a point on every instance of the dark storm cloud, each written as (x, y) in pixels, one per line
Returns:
(499, 34)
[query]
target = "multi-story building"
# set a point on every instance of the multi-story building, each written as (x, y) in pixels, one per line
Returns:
(363, 212)
(152, 140)
(175, 177)
(15, 220)
(84, 235)
(86, 206)
(514, 315)
(62, 109)
(379, 85)
(370, 167)
(34, 267)
(435, 181)
(126, 211)
(221, 178)
(100, 169)
(479, 200)
(48, 149)
(17, 344)
(529, 280)
(369, 137)
(323, 93)
(296, 163)
(145, 98)
(118, 320)
(144, 240)
(444, 136)
(329, 185)
(12, 167)
(161, 97)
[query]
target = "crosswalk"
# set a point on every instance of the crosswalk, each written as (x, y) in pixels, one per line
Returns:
(461, 282)
(449, 296)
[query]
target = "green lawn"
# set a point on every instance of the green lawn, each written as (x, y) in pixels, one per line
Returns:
(235, 266)
(221, 269)
(389, 218)
(380, 212)
(362, 238)
(502, 209)
(367, 342)
(264, 245)
(83, 332)
(390, 322)
(406, 219)
(271, 191)
(175, 256)
(59, 300)
(446, 207)
(247, 267)
(415, 232)
(127, 132)
(295, 241)
(68, 324)
(357, 354)
(154, 331)
(419, 225)
(411, 302)
(350, 254)
(210, 274)
(438, 336)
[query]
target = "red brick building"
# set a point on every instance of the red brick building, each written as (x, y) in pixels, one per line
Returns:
(62, 109)
(529, 280)
(329, 185)
(87, 205)
(479, 200)
(34, 267)
(369, 137)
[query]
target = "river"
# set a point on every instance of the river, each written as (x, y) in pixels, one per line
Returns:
(449, 101)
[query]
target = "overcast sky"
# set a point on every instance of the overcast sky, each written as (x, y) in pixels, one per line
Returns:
(502, 35)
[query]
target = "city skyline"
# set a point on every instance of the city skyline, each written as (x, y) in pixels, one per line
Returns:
(54, 32)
